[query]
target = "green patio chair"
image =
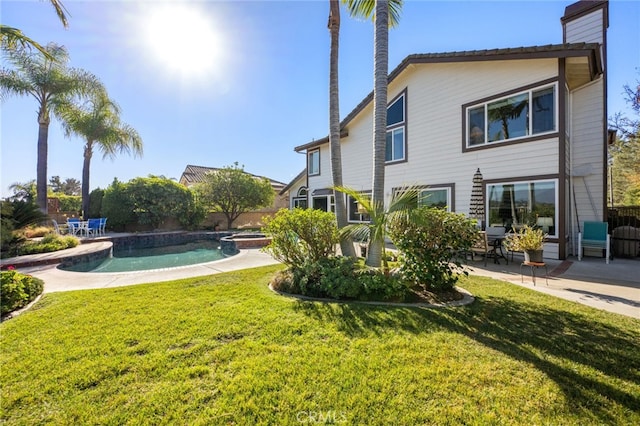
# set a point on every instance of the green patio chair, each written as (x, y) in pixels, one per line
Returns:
(594, 235)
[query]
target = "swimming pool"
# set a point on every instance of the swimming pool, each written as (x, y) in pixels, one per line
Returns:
(127, 258)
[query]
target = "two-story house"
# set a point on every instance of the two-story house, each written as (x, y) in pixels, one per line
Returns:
(533, 120)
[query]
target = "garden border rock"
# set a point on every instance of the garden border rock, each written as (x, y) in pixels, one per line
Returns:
(467, 299)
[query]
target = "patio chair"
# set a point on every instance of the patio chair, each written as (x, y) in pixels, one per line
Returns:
(60, 229)
(73, 224)
(482, 247)
(103, 225)
(594, 235)
(93, 227)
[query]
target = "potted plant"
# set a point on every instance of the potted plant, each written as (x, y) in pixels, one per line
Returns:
(528, 240)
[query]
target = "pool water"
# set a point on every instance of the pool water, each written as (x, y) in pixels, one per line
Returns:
(144, 259)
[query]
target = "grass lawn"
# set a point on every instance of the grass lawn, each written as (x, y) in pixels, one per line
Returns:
(224, 349)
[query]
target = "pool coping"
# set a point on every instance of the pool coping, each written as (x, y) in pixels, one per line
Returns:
(102, 246)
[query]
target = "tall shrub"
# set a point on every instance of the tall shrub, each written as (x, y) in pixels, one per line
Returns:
(95, 202)
(429, 239)
(301, 236)
(117, 205)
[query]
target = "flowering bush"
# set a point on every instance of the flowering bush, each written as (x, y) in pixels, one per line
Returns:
(17, 290)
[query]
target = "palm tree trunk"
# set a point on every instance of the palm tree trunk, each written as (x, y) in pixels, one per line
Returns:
(41, 181)
(88, 152)
(380, 72)
(346, 245)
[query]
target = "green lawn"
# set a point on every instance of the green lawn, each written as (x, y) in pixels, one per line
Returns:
(225, 350)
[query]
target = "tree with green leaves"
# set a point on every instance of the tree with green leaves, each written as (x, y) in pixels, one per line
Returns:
(625, 152)
(23, 191)
(70, 186)
(375, 231)
(385, 14)
(232, 191)
(14, 39)
(97, 121)
(48, 81)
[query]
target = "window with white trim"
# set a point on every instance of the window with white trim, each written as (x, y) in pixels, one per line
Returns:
(514, 204)
(396, 122)
(527, 113)
(313, 162)
(326, 203)
(300, 200)
(435, 197)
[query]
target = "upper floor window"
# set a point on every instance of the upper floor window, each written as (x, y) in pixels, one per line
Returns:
(527, 113)
(396, 122)
(313, 162)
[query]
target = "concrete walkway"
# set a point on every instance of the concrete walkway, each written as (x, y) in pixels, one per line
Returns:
(614, 287)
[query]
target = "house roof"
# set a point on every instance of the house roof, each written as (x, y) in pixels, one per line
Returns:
(565, 50)
(195, 174)
(300, 175)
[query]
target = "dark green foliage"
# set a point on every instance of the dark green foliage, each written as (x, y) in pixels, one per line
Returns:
(95, 203)
(301, 236)
(341, 278)
(18, 290)
(429, 239)
(6, 222)
(23, 213)
(17, 214)
(150, 201)
(232, 191)
(117, 206)
(48, 243)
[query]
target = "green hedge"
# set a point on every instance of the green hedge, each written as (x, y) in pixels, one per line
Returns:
(50, 242)
(18, 290)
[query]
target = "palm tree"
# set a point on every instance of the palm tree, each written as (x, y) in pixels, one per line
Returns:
(98, 122)
(385, 13)
(12, 38)
(47, 80)
(375, 231)
(346, 246)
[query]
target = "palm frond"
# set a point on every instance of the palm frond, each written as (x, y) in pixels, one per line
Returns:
(365, 9)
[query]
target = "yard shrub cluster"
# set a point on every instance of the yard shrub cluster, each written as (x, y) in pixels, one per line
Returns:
(17, 290)
(16, 216)
(48, 243)
(150, 201)
(429, 240)
(301, 235)
(305, 241)
(68, 203)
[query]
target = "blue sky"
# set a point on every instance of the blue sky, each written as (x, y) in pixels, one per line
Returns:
(254, 82)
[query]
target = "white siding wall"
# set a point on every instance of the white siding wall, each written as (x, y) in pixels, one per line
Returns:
(586, 29)
(435, 95)
(588, 155)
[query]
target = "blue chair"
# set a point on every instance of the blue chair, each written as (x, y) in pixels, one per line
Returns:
(595, 235)
(93, 227)
(103, 225)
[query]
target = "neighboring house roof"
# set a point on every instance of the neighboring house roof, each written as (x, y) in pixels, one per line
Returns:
(565, 50)
(300, 175)
(196, 174)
